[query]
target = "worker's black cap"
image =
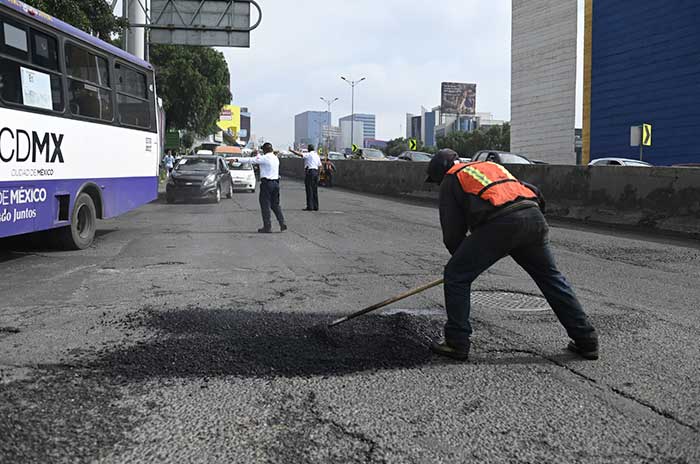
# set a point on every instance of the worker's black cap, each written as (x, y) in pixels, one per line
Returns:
(440, 164)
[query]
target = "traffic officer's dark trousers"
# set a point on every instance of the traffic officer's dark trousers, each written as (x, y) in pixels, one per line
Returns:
(311, 184)
(270, 199)
(523, 235)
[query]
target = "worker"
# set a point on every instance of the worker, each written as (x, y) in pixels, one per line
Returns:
(269, 186)
(312, 163)
(504, 217)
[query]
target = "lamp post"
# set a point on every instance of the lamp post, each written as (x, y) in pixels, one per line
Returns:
(352, 120)
(329, 102)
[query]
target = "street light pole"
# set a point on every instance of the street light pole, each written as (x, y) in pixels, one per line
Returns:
(352, 118)
(329, 102)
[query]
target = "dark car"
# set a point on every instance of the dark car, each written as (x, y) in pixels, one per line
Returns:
(415, 156)
(199, 177)
(500, 157)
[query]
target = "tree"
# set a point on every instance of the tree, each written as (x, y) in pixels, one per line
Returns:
(193, 82)
(92, 16)
(467, 144)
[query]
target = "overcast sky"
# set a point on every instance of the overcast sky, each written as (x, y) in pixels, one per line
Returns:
(405, 49)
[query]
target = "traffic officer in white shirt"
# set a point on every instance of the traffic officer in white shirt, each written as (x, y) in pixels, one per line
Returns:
(269, 186)
(312, 163)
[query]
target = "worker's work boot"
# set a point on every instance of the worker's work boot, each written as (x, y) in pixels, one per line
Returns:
(444, 348)
(587, 349)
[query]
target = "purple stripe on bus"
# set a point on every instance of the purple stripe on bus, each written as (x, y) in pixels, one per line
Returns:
(22, 212)
(73, 31)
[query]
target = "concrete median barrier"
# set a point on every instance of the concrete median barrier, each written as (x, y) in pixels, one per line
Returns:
(659, 198)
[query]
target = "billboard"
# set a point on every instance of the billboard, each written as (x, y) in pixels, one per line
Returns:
(458, 98)
(230, 119)
(224, 23)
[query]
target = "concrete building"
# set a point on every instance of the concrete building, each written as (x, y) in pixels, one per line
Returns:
(246, 125)
(369, 123)
(642, 66)
(308, 127)
(358, 136)
(543, 81)
(333, 137)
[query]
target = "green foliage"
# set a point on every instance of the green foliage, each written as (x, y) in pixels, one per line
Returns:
(187, 140)
(193, 83)
(399, 145)
(92, 16)
(467, 144)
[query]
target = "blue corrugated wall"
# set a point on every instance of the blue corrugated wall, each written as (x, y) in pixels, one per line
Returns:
(646, 69)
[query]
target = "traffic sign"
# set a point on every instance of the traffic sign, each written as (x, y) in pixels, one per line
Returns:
(412, 144)
(320, 150)
(646, 135)
(355, 148)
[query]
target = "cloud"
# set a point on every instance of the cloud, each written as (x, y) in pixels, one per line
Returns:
(405, 49)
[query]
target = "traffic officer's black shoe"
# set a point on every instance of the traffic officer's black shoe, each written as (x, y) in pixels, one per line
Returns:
(264, 231)
(587, 349)
(283, 227)
(450, 351)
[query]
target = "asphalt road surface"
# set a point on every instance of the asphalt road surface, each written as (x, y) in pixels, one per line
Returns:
(184, 336)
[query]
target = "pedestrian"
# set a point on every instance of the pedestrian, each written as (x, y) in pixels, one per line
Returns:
(504, 217)
(169, 161)
(312, 163)
(328, 171)
(269, 186)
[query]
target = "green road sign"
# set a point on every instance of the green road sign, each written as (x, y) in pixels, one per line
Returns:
(172, 140)
(412, 144)
(646, 135)
(355, 148)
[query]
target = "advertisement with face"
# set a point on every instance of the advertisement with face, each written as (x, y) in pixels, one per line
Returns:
(458, 98)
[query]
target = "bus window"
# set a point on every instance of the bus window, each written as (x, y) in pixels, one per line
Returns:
(44, 50)
(88, 84)
(14, 40)
(132, 97)
(21, 83)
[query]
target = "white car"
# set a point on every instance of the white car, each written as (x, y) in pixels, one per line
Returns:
(242, 175)
(619, 162)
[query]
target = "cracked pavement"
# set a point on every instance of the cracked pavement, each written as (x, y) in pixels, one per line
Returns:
(183, 336)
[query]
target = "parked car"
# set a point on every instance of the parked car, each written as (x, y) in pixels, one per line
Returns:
(199, 177)
(334, 156)
(372, 154)
(619, 162)
(415, 156)
(500, 157)
(242, 175)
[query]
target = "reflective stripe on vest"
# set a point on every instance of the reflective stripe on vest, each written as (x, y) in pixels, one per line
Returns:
(491, 182)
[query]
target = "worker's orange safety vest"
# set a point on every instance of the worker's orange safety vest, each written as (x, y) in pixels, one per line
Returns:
(491, 182)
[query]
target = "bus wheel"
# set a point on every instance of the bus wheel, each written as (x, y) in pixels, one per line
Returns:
(83, 224)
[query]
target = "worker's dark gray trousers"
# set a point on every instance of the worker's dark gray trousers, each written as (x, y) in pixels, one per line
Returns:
(311, 184)
(270, 199)
(523, 235)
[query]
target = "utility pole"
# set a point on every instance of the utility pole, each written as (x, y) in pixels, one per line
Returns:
(329, 102)
(352, 120)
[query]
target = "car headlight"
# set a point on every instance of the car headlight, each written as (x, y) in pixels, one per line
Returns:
(210, 180)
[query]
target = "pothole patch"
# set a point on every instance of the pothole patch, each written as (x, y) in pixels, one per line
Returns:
(510, 301)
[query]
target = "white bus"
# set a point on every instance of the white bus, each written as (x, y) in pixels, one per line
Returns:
(79, 128)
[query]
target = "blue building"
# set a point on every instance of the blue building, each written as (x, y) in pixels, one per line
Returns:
(642, 65)
(308, 127)
(368, 121)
